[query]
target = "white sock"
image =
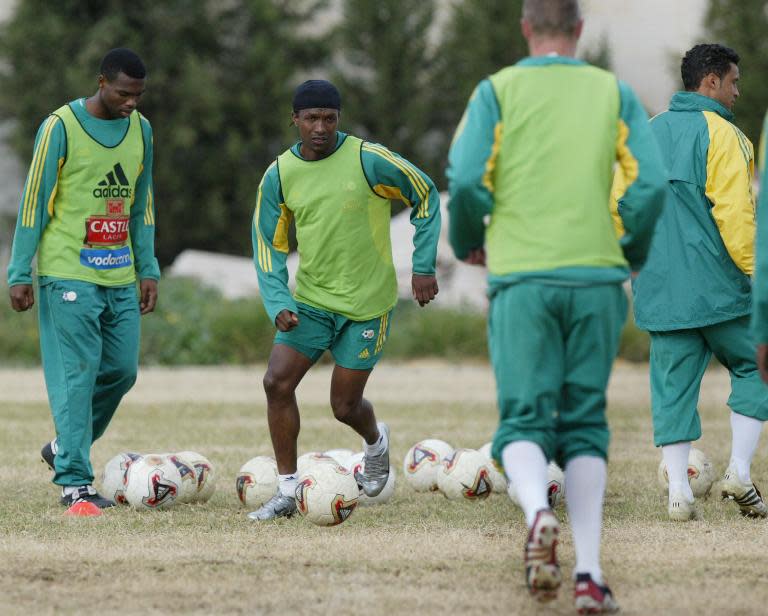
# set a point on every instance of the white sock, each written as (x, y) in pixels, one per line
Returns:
(379, 447)
(745, 436)
(526, 468)
(585, 478)
(67, 490)
(676, 459)
(287, 484)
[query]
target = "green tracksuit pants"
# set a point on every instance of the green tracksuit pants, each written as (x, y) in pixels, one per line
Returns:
(679, 359)
(552, 349)
(89, 341)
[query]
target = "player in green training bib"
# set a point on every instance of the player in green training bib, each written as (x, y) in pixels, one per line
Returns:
(535, 153)
(337, 188)
(87, 211)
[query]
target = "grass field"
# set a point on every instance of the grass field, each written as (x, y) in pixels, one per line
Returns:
(417, 554)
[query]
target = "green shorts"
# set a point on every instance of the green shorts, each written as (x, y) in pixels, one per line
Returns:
(356, 345)
(552, 348)
(678, 361)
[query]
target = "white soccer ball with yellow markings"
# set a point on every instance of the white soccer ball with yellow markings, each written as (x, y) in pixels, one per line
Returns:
(498, 478)
(115, 476)
(257, 481)
(326, 494)
(465, 474)
(555, 487)
(355, 465)
(153, 482)
(701, 474)
(422, 461)
(205, 475)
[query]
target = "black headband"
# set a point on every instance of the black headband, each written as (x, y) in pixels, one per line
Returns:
(316, 94)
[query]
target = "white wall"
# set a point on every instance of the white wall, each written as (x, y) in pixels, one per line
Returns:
(648, 39)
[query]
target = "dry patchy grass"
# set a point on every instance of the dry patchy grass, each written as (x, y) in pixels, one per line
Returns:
(419, 553)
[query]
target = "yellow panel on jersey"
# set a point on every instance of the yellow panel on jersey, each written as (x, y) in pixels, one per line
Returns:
(490, 165)
(280, 240)
(730, 168)
(418, 183)
(626, 173)
(391, 192)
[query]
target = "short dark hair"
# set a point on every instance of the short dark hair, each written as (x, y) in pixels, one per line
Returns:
(552, 17)
(705, 59)
(122, 60)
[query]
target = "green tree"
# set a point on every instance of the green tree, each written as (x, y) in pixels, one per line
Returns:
(383, 60)
(481, 37)
(218, 95)
(742, 25)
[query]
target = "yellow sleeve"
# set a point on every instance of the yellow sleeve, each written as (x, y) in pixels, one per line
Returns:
(730, 169)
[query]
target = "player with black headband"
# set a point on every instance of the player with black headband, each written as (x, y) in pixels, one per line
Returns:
(87, 211)
(337, 188)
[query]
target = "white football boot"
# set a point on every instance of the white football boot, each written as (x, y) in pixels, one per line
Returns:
(680, 509)
(746, 495)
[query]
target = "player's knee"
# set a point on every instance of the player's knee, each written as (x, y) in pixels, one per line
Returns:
(343, 407)
(122, 376)
(276, 386)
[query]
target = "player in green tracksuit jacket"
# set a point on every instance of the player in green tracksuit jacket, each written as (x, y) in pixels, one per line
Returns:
(87, 211)
(760, 310)
(337, 188)
(694, 294)
(535, 151)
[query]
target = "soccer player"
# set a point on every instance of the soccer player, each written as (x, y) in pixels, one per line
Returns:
(87, 211)
(694, 295)
(760, 311)
(535, 151)
(336, 188)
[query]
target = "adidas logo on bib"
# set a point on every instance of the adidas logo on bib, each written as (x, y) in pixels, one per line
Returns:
(115, 184)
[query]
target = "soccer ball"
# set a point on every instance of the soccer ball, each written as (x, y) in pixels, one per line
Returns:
(153, 482)
(114, 477)
(341, 456)
(355, 463)
(326, 494)
(188, 478)
(307, 460)
(701, 474)
(256, 481)
(555, 487)
(205, 474)
(498, 479)
(466, 474)
(422, 461)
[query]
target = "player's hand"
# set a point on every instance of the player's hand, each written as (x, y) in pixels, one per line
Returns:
(476, 257)
(147, 295)
(22, 297)
(424, 288)
(286, 320)
(762, 361)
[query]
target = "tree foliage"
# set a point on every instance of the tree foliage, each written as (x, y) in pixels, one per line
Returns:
(218, 95)
(742, 25)
(383, 61)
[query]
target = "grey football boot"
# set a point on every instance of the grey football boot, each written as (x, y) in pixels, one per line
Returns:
(375, 468)
(278, 506)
